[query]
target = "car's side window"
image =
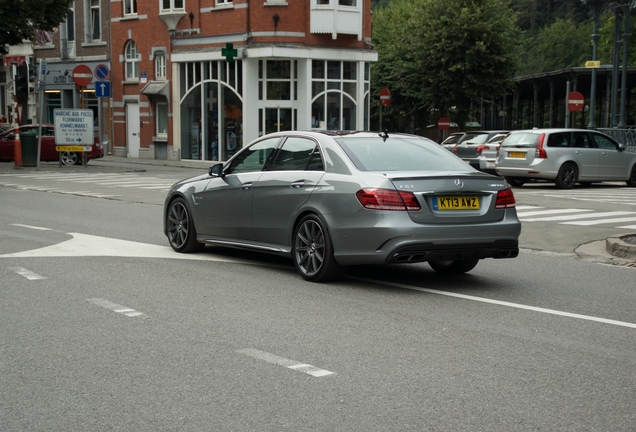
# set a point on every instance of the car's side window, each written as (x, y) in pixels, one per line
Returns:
(559, 140)
(582, 140)
(604, 143)
(254, 157)
(296, 155)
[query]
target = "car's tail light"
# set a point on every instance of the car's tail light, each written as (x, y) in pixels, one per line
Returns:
(387, 199)
(540, 151)
(481, 148)
(505, 199)
(455, 148)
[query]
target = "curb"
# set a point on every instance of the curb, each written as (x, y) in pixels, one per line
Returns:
(616, 246)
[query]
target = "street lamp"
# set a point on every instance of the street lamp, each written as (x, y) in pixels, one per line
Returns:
(596, 6)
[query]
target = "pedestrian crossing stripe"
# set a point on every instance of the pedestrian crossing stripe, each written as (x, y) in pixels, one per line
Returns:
(574, 216)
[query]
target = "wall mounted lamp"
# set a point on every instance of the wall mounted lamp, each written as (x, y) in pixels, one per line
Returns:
(276, 18)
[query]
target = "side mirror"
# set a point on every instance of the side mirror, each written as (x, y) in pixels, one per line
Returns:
(216, 170)
(621, 147)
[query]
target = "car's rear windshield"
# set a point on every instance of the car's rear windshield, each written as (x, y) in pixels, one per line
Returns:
(399, 154)
(521, 139)
(475, 138)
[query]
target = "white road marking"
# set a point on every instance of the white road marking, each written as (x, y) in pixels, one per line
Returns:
(628, 227)
(83, 245)
(553, 211)
(577, 216)
(32, 227)
(289, 364)
(27, 273)
(501, 303)
(115, 307)
(527, 207)
(602, 221)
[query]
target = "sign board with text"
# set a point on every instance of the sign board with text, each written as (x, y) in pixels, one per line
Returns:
(73, 126)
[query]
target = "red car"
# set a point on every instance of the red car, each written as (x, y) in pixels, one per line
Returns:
(48, 152)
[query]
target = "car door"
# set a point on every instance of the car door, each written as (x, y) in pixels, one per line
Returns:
(284, 187)
(227, 200)
(6, 146)
(614, 164)
(585, 154)
(47, 151)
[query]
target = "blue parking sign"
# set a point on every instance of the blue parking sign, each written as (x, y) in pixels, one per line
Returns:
(102, 89)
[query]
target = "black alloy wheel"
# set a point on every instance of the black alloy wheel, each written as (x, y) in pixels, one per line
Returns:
(515, 181)
(453, 267)
(567, 176)
(631, 182)
(313, 251)
(181, 232)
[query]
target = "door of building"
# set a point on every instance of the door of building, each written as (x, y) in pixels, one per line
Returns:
(132, 129)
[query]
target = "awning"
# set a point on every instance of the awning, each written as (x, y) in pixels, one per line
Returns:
(157, 89)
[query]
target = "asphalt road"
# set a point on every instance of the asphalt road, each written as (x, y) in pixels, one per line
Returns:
(105, 328)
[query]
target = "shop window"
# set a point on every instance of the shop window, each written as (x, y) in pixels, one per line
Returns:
(132, 61)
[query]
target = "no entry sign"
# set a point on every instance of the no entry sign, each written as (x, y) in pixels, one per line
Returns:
(385, 97)
(575, 101)
(82, 75)
(443, 123)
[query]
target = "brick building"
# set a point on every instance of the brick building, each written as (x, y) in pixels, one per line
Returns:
(81, 40)
(199, 79)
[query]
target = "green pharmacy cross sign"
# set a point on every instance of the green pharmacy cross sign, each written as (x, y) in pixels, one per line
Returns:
(229, 52)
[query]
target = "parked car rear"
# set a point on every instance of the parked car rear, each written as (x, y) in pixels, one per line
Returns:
(565, 157)
(471, 145)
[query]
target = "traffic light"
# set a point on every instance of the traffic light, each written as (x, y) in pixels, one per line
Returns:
(22, 82)
(33, 71)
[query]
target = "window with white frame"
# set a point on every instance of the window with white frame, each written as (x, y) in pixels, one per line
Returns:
(93, 21)
(223, 2)
(70, 23)
(130, 7)
(161, 119)
(172, 5)
(160, 65)
(132, 61)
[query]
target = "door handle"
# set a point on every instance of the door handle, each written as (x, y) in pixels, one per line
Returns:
(246, 186)
(298, 183)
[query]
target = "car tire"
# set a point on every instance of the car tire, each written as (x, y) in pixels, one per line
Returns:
(453, 267)
(312, 251)
(631, 181)
(567, 176)
(69, 158)
(515, 181)
(182, 235)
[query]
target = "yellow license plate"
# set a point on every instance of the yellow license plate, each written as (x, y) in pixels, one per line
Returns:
(517, 155)
(456, 203)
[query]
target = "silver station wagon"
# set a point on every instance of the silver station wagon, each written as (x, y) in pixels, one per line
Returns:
(334, 200)
(564, 156)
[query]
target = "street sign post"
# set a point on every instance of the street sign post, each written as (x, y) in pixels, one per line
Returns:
(82, 75)
(102, 89)
(575, 101)
(73, 127)
(385, 97)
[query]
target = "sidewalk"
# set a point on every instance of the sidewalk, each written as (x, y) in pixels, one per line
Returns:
(107, 164)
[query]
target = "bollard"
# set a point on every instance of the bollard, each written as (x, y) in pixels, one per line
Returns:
(17, 149)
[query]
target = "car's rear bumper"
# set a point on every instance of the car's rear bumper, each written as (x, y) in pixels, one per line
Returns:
(404, 243)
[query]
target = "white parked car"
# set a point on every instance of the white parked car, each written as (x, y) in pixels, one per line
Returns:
(564, 156)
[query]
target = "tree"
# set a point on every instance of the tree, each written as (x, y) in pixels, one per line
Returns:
(437, 56)
(20, 19)
(560, 45)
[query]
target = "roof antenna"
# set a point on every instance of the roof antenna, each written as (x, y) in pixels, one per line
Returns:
(385, 136)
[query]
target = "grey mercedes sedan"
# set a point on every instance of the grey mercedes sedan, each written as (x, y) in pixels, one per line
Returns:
(331, 200)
